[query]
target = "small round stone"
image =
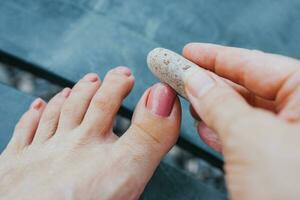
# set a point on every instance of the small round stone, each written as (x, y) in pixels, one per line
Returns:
(170, 68)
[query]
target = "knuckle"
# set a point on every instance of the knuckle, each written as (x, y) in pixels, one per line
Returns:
(147, 136)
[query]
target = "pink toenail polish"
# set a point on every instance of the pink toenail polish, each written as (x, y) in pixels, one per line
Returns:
(91, 77)
(37, 104)
(161, 99)
(65, 92)
(123, 70)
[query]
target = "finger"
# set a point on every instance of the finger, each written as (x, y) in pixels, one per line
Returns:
(220, 106)
(251, 98)
(262, 73)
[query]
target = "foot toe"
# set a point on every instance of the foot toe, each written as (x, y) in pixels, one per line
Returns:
(107, 101)
(154, 130)
(49, 120)
(27, 126)
(77, 103)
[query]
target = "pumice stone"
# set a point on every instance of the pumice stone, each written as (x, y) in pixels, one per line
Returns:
(170, 68)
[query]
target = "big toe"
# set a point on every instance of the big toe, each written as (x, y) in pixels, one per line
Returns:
(154, 130)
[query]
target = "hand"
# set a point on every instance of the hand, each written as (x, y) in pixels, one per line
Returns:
(249, 102)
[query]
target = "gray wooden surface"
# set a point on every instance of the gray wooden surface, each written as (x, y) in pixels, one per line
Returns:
(167, 182)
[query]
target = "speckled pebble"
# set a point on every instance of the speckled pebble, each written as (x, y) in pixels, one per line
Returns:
(170, 68)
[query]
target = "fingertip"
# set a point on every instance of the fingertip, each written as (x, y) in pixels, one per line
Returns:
(203, 54)
(209, 137)
(188, 48)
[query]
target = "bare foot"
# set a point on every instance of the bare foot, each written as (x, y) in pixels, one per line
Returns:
(66, 149)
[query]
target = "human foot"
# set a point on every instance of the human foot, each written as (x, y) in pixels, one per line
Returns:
(66, 149)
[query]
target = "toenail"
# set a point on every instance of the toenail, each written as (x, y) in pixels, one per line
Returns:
(161, 99)
(122, 70)
(65, 92)
(37, 104)
(91, 77)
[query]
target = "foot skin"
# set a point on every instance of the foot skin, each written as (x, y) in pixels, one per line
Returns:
(66, 149)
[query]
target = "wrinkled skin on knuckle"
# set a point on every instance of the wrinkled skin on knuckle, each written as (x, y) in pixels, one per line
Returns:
(159, 129)
(147, 135)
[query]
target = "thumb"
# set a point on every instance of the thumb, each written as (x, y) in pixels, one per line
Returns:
(222, 108)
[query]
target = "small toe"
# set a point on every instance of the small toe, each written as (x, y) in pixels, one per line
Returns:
(77, 103)
(49, 120)
(154, 130)
(101, 113)
(26, 127)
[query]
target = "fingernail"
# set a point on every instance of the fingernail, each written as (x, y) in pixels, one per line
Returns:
(210, 137)
(65, 92)
(161, 99)
(123, 70)
(91, 77)
(198, 83)
(36, 104)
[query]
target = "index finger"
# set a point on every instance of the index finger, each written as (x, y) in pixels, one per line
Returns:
(261, 73)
